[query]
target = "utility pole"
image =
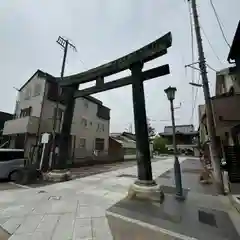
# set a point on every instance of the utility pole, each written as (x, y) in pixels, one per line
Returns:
(64, 43)
(215, 158)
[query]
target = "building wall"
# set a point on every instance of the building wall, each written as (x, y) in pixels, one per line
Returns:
(115, 149)
(85, 110)
(181, 139)
(31, 95)
(181, 128)
(224, 82)
(48, 116)
(86, 125)
(225, 108)
(28, 98)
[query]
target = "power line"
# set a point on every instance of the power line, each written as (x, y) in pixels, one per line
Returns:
(211, 68)
(219, 23)
(211, 46)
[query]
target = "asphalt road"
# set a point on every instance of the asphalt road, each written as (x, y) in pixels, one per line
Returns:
(5, 185)
(78, 173)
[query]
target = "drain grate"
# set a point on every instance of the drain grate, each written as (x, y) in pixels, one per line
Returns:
(54, 198)
(127, 175)
(207, 218)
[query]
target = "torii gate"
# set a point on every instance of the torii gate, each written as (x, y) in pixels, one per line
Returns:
(133, 61)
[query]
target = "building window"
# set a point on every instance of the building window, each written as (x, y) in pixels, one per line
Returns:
(37, 89)
(100, 127)
(26, 112)
(84, 122)
(99, 144)
(52, 93)
(82, 143)
(27, 94)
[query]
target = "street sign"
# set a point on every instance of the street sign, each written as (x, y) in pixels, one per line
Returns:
(45, 138)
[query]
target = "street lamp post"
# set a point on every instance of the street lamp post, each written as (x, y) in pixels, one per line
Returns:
(170, 91)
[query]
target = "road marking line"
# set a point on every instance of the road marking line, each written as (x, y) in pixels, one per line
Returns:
(19, 185)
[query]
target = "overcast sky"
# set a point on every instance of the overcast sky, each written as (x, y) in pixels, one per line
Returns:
(103, 30)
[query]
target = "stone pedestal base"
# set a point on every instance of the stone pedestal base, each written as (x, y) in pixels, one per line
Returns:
(58, 175)
(146, 192)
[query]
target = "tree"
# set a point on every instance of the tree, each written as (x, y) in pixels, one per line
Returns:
(151, 130)
(159, 145)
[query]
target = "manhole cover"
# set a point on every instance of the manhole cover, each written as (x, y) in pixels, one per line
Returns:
(127, 175)
(207, 218)
(54, 198)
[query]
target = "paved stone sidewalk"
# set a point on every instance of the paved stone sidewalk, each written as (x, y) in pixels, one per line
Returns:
(71, 210)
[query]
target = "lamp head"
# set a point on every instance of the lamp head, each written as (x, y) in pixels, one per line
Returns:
(170, 91)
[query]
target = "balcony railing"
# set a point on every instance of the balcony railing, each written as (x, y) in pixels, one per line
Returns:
(21, 125)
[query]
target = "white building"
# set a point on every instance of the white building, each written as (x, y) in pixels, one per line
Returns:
(35, 111)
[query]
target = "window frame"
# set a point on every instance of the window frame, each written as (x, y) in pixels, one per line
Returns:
(37, 93)
(99, 141)
(82, 145)
(84, 122)
(11, 155)
(27, 93)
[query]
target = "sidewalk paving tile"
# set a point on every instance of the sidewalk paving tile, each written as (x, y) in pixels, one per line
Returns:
(64, 227)
(55, 206)
(30, 224)
(82, 229)
(3, 220)
(17, 210)
(27, 236)
(12, 224)
(101, 229)
(78, 214)
(42, 236)
(90, 211)
(48, 223)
